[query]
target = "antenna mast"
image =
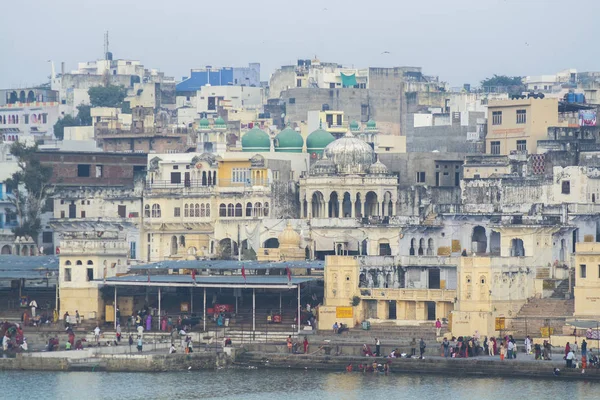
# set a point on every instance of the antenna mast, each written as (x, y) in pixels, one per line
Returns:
(106, 45)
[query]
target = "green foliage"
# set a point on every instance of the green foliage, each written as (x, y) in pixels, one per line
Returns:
(59, 126)
(107, 96)
(126, 108)
(29, 188)
(503, 81)
(355, 301)
(83, 115)
(84, 118)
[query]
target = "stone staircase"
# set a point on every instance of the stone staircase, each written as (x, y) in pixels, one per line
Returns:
(546, 312)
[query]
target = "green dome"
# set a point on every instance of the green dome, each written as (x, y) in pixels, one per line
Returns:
(354, 126)
(204, 123)
(289, 141)
(256, 140)
(219, 121)
(371, 124)
(318, 140)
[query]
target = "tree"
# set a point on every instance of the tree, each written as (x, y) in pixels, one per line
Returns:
(59, 126)
(107, 96)
(508, 83)
(83, 115)
(29, 188)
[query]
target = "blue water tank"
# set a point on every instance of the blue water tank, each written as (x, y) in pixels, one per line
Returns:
(570, 97)
(579, 98)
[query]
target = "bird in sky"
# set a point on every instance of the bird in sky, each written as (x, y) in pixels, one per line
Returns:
(386, 52)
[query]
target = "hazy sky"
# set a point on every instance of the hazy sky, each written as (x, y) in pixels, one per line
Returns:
(460, 40)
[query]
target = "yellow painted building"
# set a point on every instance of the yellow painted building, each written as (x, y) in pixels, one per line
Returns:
(355, 292)
(517, 125)
(194, 204)
(587, 280)
(85, 259)
(489, 288)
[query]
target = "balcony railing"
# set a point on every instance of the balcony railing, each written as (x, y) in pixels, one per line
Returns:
(409, 294)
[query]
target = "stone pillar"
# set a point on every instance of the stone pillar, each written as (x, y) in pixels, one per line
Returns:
(301, 207)
(340, 209)
(364, 207)
(352, 209)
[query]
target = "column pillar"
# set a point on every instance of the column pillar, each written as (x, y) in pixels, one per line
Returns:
(353, 209)
(159, 311)
(115, 308)
(301, 207)
(364, 207)
(298, 323)
(204, 313)
(253, 310)
(340, 209)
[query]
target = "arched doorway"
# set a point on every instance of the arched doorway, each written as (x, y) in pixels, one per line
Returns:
(387, 207)
(346, 206)
(421, 246)
(358, 206)
(317, 205)
(430, 247)
(371, 204)
(6, 249)
(413, 245)
(272, 243)
(334, 205)
(479, 240)
(228, 249)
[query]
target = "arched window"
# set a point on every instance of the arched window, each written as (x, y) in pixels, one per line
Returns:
(257, 209)
(68, 262)
(222, 210)
(208, 209)
(248, 209)
(147, 211)
(266, 210)
(186, 211)
(202, 210)
(182, 241)
(90, 262)
(238, 210)
(155, 211)
(230, 210)
(78, 262)
(197, 207)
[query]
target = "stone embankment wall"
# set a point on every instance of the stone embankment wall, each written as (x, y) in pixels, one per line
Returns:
(115, 362)
(439, 366)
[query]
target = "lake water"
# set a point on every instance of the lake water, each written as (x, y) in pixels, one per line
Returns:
(279, 384)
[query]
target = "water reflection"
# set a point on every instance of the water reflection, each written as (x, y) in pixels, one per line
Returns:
(277, 384)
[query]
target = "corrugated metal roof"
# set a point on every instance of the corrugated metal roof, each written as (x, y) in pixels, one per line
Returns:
(186, 280)
(227, 264)
(10, 262)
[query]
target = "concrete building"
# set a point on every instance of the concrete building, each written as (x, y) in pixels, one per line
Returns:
(210, 98)
(89, 187)
(316, 74)
(226, 76)
(517, 125)
(587, 280)
(30, 119)
(87, 258)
